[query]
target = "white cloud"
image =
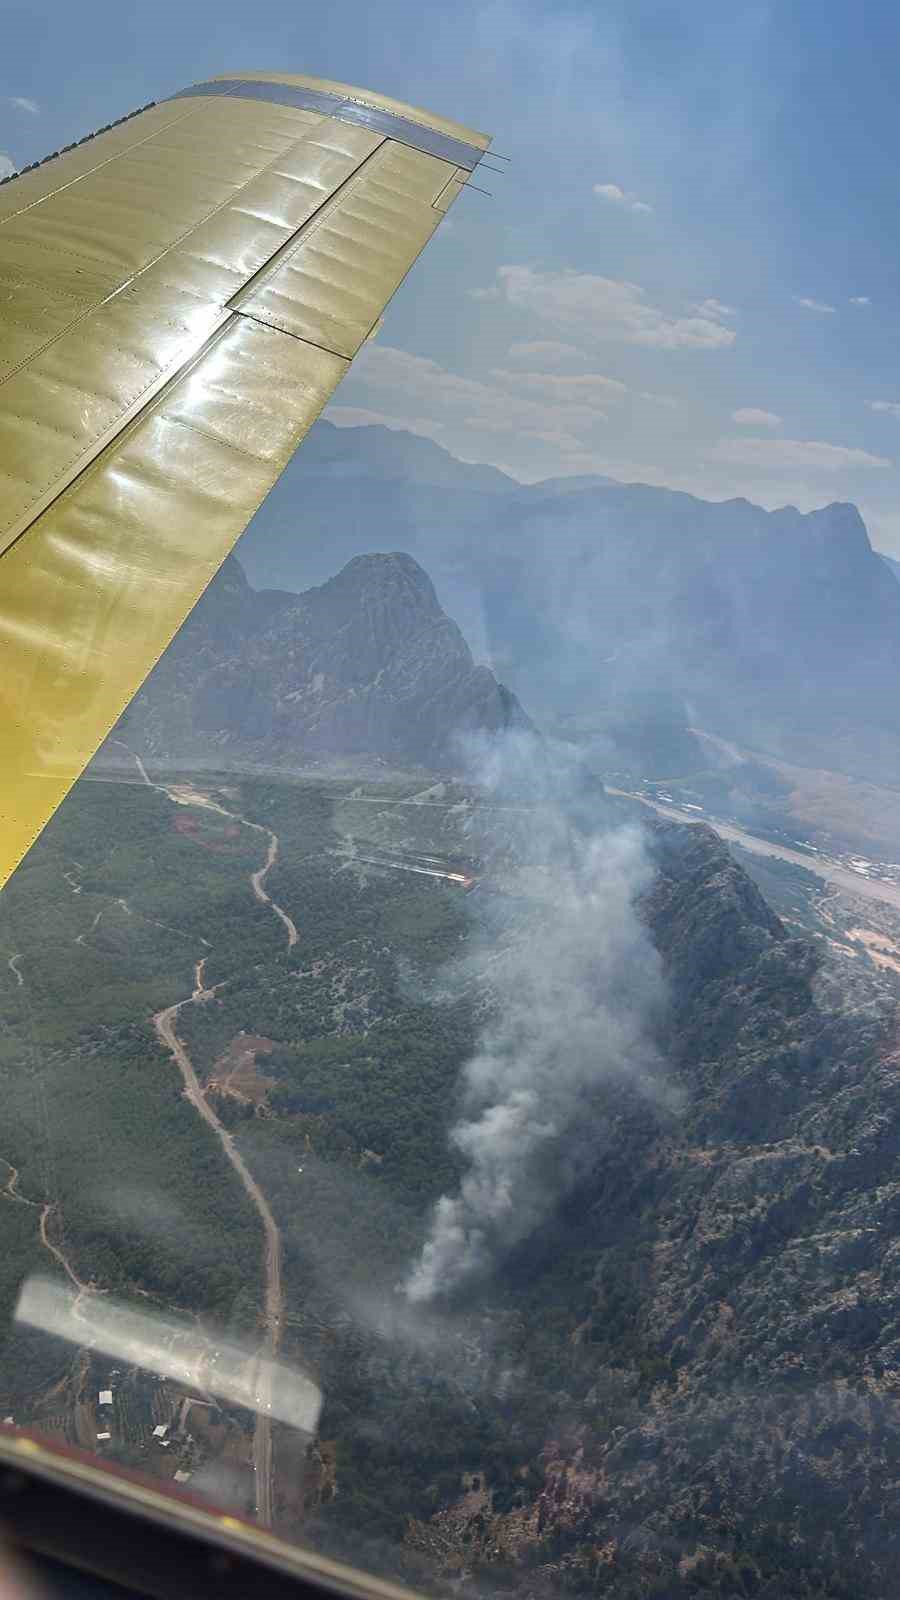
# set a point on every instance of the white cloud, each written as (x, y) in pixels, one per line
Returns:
(517, 410)
(6, 165)
(529, 405)
(860, 300)
(666, 400)
(814, 305)
(587, 388)
(789, 454)
(892, 407)
(547, 352)
(714, 308)
(618, 197)
(361, 416)
(750, 417)
(603, 308)
(22, 103)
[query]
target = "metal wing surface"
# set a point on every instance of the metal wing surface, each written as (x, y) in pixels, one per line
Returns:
(180, 294)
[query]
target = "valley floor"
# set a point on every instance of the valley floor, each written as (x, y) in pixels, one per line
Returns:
(824, 866)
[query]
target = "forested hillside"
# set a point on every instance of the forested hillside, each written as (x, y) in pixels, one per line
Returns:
(666, 1387)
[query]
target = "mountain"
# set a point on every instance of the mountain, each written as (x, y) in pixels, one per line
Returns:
(684, 1381)
(602, 600)
(365, 665)
(575, 484)
(392, 453)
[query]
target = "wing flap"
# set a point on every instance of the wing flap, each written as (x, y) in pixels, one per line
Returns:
(331, 286)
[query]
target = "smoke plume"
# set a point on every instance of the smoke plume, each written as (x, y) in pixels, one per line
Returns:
(576, 987)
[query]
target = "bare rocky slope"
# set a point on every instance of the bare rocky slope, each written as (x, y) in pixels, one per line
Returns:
(365, 665)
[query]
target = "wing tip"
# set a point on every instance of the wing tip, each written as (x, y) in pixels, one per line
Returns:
(371, 97)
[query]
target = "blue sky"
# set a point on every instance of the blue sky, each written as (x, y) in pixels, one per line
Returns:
(688, 273)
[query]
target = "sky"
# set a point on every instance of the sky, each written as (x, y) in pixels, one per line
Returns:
(685, 273)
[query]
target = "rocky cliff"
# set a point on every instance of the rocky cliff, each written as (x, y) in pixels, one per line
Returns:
(366, 665)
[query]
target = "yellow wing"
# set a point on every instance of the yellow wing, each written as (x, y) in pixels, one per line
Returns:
(180, 294)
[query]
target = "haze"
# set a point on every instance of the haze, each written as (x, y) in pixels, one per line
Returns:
(684, 277)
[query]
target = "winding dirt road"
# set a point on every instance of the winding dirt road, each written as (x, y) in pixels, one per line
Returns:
(164, 1023)
(185, 795)
(10, 1190)
(48, 1210)
(257, 879)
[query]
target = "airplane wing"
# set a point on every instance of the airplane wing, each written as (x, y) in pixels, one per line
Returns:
(180, 294)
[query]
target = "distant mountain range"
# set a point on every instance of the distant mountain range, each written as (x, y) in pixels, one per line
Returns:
(620, 610)
(366, 665)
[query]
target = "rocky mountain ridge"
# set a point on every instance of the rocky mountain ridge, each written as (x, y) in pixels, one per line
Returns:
(366, 665)
(708, 1334)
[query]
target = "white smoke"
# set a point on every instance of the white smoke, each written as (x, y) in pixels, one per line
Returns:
(575, 998)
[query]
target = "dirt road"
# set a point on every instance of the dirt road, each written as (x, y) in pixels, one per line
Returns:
(183, 794)
(258, 879)
(164, 1023)
(10, 1190)
(47, 1212)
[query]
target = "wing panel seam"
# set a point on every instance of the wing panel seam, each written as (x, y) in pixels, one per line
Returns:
(172, 248)
(214, 438)
(311, 226)
(277, 327)
(160, 256)
(60, 188)
(62, 481)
